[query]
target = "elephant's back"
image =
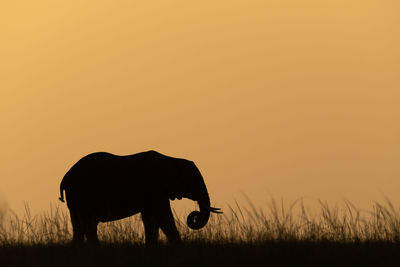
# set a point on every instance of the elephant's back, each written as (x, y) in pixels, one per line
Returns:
(99, 159)
(91, 164)
(101, 171)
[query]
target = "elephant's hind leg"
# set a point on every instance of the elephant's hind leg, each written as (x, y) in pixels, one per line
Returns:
(167, 225)
(91, 232)
(77, 228)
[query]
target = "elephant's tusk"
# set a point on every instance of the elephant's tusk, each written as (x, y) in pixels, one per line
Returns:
(215, 210)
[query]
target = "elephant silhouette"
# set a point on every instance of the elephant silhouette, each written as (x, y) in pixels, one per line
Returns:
(103, 187)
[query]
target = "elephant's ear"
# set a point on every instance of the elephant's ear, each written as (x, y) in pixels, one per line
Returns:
(173, 179)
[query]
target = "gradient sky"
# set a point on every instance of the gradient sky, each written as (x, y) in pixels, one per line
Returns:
(281, 98)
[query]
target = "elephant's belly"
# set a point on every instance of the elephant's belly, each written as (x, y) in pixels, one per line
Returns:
(116, 215)
(116, 207)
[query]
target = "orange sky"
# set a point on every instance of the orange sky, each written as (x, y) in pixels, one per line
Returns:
(280, 98)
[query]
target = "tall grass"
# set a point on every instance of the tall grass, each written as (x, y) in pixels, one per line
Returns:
(240, 224)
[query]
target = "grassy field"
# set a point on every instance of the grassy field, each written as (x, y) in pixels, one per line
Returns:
(279, 235)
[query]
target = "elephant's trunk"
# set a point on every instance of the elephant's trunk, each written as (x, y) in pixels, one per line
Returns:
(198, 219)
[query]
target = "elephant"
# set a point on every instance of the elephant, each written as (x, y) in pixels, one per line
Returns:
(103, 187)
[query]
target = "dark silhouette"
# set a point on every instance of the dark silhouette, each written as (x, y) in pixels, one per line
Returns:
(103, 187)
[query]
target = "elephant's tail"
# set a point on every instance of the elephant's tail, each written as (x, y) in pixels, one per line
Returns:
(61, 193)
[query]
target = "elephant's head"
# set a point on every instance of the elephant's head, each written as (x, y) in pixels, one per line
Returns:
(191, 185)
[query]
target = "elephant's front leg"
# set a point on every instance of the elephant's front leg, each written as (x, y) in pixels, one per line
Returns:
(150, 222)
(167, 224)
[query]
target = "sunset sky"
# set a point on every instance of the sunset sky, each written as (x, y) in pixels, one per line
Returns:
(273, 98)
